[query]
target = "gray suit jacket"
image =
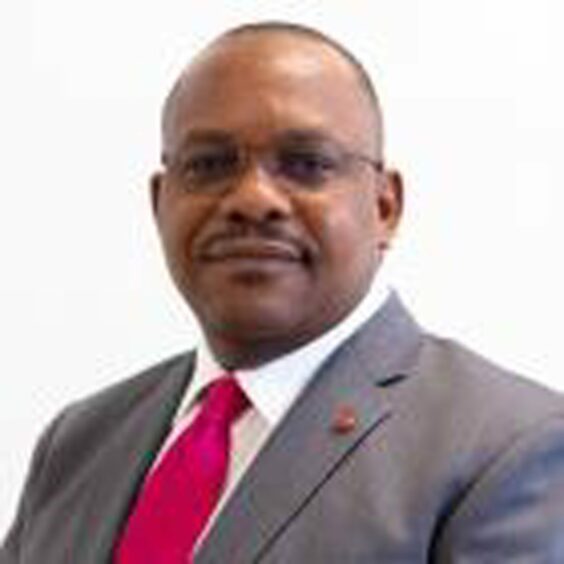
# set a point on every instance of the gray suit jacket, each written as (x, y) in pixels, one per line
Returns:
(451, 460)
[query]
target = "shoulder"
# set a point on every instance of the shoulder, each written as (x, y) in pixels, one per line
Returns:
(464, 377)
(470, 409)
(80, 429)
(74, 441)
(502, 437)
(127, 392)
(443, 393)
(106, 407)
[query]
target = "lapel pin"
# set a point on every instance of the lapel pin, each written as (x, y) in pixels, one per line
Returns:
(345, 420)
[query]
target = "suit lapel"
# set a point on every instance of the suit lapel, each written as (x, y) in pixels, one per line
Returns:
(305, 450)
(118, 472)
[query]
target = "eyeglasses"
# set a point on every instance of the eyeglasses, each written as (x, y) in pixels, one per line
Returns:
(298, 164)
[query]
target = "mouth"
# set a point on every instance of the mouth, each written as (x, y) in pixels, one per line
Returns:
(252, 250)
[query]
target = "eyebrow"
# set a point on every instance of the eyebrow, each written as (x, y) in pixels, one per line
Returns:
(211, 136)
(297, 135)
(198, 137)
(206, 136)
(306, 135)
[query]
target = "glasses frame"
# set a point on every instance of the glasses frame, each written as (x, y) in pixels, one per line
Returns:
(268, 158)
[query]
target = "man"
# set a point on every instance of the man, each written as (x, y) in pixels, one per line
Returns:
(359, 437)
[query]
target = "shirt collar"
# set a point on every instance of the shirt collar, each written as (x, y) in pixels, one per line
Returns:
(272, 388)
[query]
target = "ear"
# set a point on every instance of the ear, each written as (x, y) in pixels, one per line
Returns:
(390, 206)
(156, 186)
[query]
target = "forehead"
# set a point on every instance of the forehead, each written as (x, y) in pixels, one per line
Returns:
(263, 85)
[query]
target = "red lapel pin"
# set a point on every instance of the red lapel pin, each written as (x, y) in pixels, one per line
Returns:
(344, 420)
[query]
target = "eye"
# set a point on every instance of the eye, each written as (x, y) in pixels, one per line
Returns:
(209, 165)
(307, 166)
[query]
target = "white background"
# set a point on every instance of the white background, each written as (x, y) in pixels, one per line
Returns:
(472, 93)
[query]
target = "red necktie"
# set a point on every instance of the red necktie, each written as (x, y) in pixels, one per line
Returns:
(183, 490)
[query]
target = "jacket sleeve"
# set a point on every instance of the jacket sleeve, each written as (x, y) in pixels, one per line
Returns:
(13, 545)
(514, 511)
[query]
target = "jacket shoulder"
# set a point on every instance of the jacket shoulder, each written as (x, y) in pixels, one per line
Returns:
(471, 404)
(85, 426)
(469, 378)
(128, 392)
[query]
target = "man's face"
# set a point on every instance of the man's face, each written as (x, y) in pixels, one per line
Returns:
(271, 229)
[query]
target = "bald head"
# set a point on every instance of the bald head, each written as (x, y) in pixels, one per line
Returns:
(277, 47)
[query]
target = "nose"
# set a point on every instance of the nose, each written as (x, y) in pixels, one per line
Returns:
(255, 198)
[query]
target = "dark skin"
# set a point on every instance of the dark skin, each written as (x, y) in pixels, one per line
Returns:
(266, 268)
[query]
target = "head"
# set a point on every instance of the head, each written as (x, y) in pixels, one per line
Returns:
(274, 205)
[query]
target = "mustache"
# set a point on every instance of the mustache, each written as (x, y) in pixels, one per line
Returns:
(269, 239)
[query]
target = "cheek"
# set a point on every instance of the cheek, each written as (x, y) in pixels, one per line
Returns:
(344, 225)
(180, 219)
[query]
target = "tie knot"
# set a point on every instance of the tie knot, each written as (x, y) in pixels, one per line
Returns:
(224, 400)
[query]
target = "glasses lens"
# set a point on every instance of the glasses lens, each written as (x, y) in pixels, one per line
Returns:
(204, 167)
(301, 163)
(307, 166)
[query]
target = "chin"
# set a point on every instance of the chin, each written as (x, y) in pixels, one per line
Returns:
(250, 302)
(252, 322)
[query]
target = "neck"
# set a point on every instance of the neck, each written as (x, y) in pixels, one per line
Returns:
(237, 354)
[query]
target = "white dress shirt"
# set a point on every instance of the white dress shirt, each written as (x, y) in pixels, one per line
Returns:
(271, 388)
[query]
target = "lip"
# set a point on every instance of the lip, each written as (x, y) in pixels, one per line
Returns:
(251, 248)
